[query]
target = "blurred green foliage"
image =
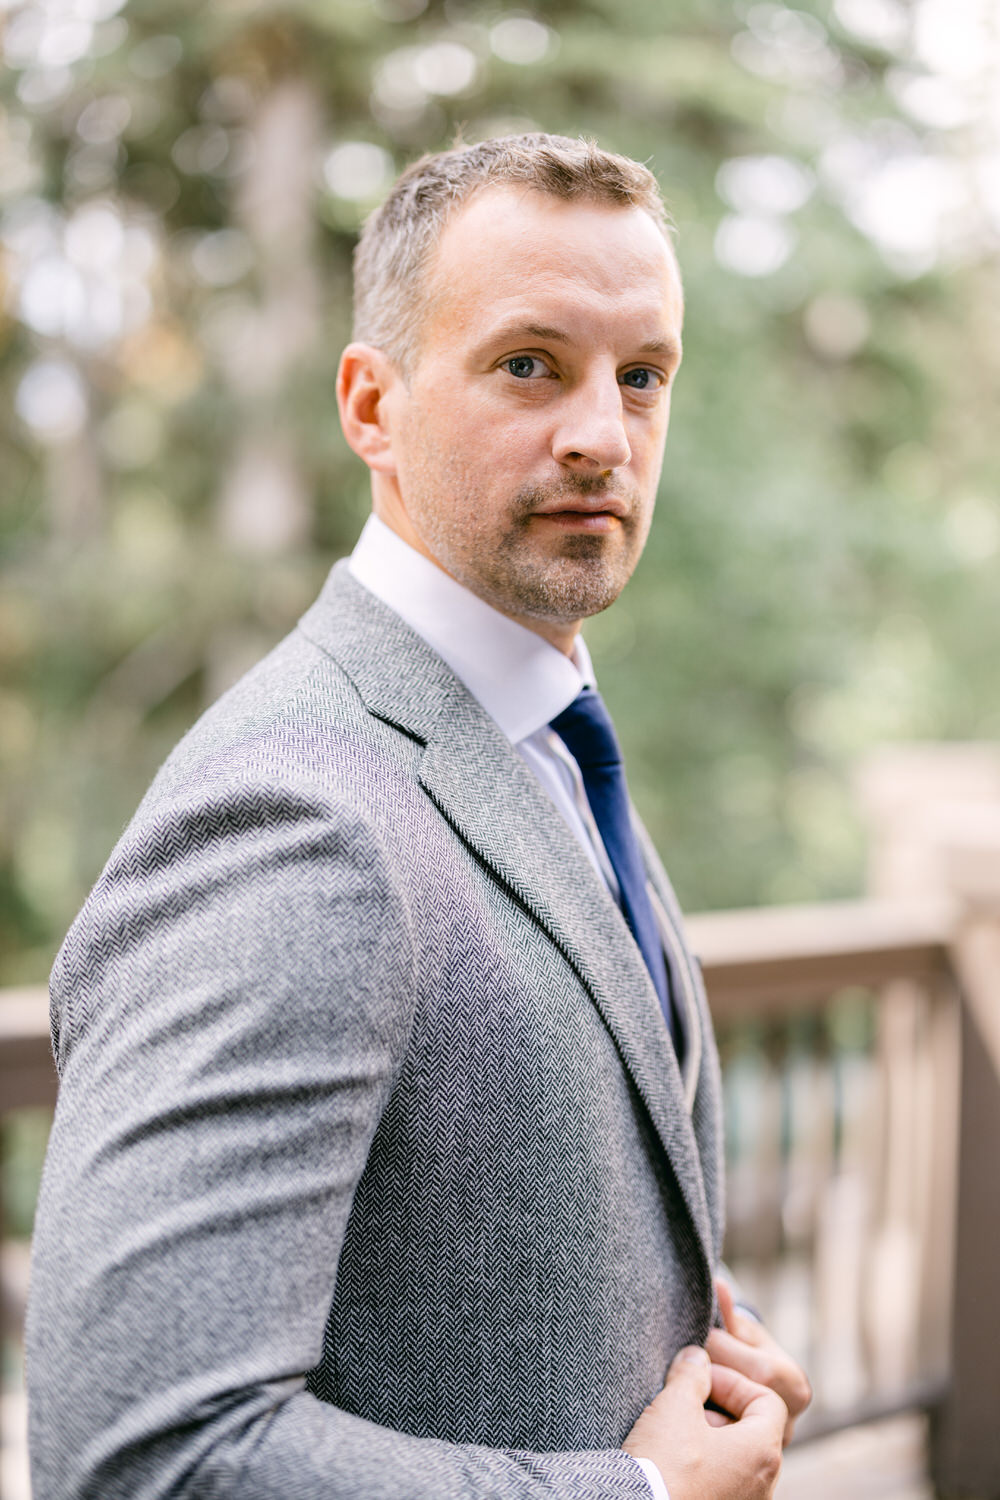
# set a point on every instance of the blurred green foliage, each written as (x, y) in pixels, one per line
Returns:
(180, 188)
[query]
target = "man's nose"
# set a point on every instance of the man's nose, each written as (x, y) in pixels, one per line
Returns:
(591, 430)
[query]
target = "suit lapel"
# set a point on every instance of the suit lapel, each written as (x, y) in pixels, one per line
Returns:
(496, 806)
(494, 803)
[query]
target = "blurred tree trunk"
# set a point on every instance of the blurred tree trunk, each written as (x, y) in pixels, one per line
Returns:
(264, 506)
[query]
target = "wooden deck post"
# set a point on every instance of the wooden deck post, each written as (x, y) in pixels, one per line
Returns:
(27, 1080)
(965, 1449)
(935, 812)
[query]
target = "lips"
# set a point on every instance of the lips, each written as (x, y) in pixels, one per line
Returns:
(599, 505)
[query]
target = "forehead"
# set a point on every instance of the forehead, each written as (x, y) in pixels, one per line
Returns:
(512, 251)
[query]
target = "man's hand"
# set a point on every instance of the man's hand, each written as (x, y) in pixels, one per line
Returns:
(745, 1346)
(739, 1460)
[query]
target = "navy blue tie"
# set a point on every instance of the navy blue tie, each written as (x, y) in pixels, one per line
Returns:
(589, 735)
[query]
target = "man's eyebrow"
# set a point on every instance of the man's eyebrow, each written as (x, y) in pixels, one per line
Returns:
(515, 329)
(667, 349)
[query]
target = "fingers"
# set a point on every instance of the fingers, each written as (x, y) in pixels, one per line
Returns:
(734, 1322)
(690, 1376)
(727, 1349)
(686, 1389)
(749, 1402)
(676, 1414)
(700, 1452)
(746, 1346)
(766, 1363)
(724, 1297)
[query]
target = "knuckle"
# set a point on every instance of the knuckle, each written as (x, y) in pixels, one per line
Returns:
(779, 1405)
(770, 1465)
(801, 1393)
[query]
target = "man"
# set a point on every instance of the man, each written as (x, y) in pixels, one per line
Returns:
(387, 1153)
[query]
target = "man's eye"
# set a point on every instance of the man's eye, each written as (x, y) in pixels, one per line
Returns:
(642, 378)
(526, 367)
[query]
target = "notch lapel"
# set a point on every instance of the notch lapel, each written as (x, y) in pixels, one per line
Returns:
(493, 802)
(489, 796)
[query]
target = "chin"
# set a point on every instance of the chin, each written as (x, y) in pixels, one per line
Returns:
(571, 598)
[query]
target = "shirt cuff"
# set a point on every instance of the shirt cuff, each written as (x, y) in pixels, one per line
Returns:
(654, 1479)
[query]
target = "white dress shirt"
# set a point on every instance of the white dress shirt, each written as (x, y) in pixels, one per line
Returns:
(520, 679)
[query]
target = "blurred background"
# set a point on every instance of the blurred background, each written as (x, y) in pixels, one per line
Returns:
(180, 191)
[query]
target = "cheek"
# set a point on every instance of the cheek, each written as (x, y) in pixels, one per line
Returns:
(647, 451)
(464, 439)
(447, 435)
(426, 452)
(519, 446)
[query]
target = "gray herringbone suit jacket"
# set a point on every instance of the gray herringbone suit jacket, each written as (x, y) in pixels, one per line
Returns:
(372, 1173)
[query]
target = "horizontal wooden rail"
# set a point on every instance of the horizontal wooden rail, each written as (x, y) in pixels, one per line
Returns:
(922, 1395)
(757, 962)
(777, 960)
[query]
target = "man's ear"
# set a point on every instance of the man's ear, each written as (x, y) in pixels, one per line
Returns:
(364, 381)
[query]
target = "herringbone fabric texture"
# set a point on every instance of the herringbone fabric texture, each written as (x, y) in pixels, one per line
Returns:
(371, 1173)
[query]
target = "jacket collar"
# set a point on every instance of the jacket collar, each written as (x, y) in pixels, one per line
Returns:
(521, 680)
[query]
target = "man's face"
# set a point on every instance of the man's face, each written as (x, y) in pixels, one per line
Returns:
(526, 445)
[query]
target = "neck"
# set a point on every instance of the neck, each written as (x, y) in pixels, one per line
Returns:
(561, 634)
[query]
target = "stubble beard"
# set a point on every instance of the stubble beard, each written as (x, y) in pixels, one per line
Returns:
(570, 578)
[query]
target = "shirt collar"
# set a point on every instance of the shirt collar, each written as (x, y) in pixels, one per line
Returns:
(519, 678)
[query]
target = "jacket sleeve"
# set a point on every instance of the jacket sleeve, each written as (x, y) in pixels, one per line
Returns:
(229, 1014)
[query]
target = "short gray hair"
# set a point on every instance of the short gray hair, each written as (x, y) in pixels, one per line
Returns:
(398, 242)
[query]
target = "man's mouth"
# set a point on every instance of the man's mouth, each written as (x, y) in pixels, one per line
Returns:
(588, 519)
(584, 506)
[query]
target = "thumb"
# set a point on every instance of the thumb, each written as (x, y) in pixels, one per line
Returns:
(676, 1414)
(690, 1375)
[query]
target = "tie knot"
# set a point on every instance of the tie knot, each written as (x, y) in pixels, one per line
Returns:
(588, 733)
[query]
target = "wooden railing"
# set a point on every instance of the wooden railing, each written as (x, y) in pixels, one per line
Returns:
(838, 1031)
(861, 1050)
(27, 1081)
(27, 1074)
